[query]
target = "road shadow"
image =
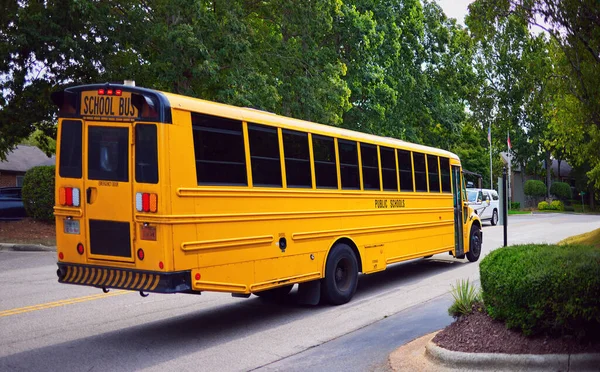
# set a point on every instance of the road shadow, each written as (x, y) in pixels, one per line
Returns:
(152, 343)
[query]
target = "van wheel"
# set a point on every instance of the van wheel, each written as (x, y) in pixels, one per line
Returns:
(474, 244)
(494, 217)
(341, 275)
(275, 294)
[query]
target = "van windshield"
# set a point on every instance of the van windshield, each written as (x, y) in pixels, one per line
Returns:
(471, 196)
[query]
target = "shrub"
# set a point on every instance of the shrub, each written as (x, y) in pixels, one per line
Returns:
(544, 288)
(535, 188)
(557, 205)
(465, 297)
(515, 205)
(543, 205)
(561, 190)
(38, 193)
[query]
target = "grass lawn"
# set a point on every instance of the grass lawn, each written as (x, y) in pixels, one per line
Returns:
(589, 238)
(514, 211)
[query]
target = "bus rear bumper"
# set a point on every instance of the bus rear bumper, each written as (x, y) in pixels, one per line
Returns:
(135, 280)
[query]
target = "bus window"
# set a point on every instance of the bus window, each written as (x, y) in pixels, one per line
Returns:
(370, 166)
(388, 169)
(406, 171)
(108, 154)
(219, 151)
(264, 156)
(420, 172)
(434, 173)
(297, 159)
(325, 164)
(445, 170)
(146, 155)
(70, 149)
(349, 165)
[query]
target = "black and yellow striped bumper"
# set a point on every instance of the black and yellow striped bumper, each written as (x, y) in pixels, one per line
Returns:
(136, 280)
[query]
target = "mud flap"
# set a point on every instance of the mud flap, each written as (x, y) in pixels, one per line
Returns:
(309, 293)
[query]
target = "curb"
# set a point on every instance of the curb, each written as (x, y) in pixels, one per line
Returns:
(511, 362)
(26, 247)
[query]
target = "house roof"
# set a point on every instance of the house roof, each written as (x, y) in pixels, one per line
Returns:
(565, 168)
(23, 158)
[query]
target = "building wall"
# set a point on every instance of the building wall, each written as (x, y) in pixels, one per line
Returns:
(9, 179)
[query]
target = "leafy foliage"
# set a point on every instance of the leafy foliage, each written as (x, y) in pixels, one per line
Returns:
(544, 288)
(466, 296)
(561, 190)
(398, 69)
(543, 205)
(535, 188)
(38, 193)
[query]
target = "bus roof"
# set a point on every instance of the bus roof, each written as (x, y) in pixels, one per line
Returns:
(264, 117)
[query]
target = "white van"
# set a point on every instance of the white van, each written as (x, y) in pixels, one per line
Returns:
(486, 204)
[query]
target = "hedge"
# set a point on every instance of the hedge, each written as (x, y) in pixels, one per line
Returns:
(544, 289)
(543, 205)
(555, 205)
(535, 188)
(38, 193)
(561, 190)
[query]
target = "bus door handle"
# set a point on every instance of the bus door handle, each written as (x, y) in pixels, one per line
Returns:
(90, 195)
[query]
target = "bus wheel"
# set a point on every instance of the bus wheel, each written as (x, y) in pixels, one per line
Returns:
(341, 275)
(275, 294)
(474, 244)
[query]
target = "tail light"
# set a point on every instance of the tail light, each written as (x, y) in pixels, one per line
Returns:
(146, 202)
(69, 196)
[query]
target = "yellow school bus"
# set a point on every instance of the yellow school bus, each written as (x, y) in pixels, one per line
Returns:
(157, 192)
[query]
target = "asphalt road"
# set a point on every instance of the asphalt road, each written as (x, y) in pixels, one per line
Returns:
(47, 326)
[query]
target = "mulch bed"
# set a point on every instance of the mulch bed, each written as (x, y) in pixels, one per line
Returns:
(27, 231)
(478, 333)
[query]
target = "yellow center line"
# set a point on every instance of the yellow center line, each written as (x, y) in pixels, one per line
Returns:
(69, 301)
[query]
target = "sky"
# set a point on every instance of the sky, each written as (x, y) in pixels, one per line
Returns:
(455, 9)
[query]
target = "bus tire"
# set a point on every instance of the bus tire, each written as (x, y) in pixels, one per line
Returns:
(474, 244)
(341, 275)
(275, 294)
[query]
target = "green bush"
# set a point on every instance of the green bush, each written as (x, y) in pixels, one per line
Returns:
(38, 193)
(535, 188)
(515, 205)
(544, 288)
(543, 205)
(557, 205)
(561, 190)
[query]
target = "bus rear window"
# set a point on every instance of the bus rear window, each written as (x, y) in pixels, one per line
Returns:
(108, 153)
(70, 149)
(146, 154)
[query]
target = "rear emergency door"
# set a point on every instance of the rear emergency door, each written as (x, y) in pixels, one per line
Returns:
(108, 191)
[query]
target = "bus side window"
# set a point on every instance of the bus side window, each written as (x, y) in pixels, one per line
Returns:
(370, 166)
(297, 159)
(349, 165)
(406, 171)
(264, 156)
(434, 173)
(388, 169)
(445, 169)
(420, 172)
(325, 164)
(219, 151)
